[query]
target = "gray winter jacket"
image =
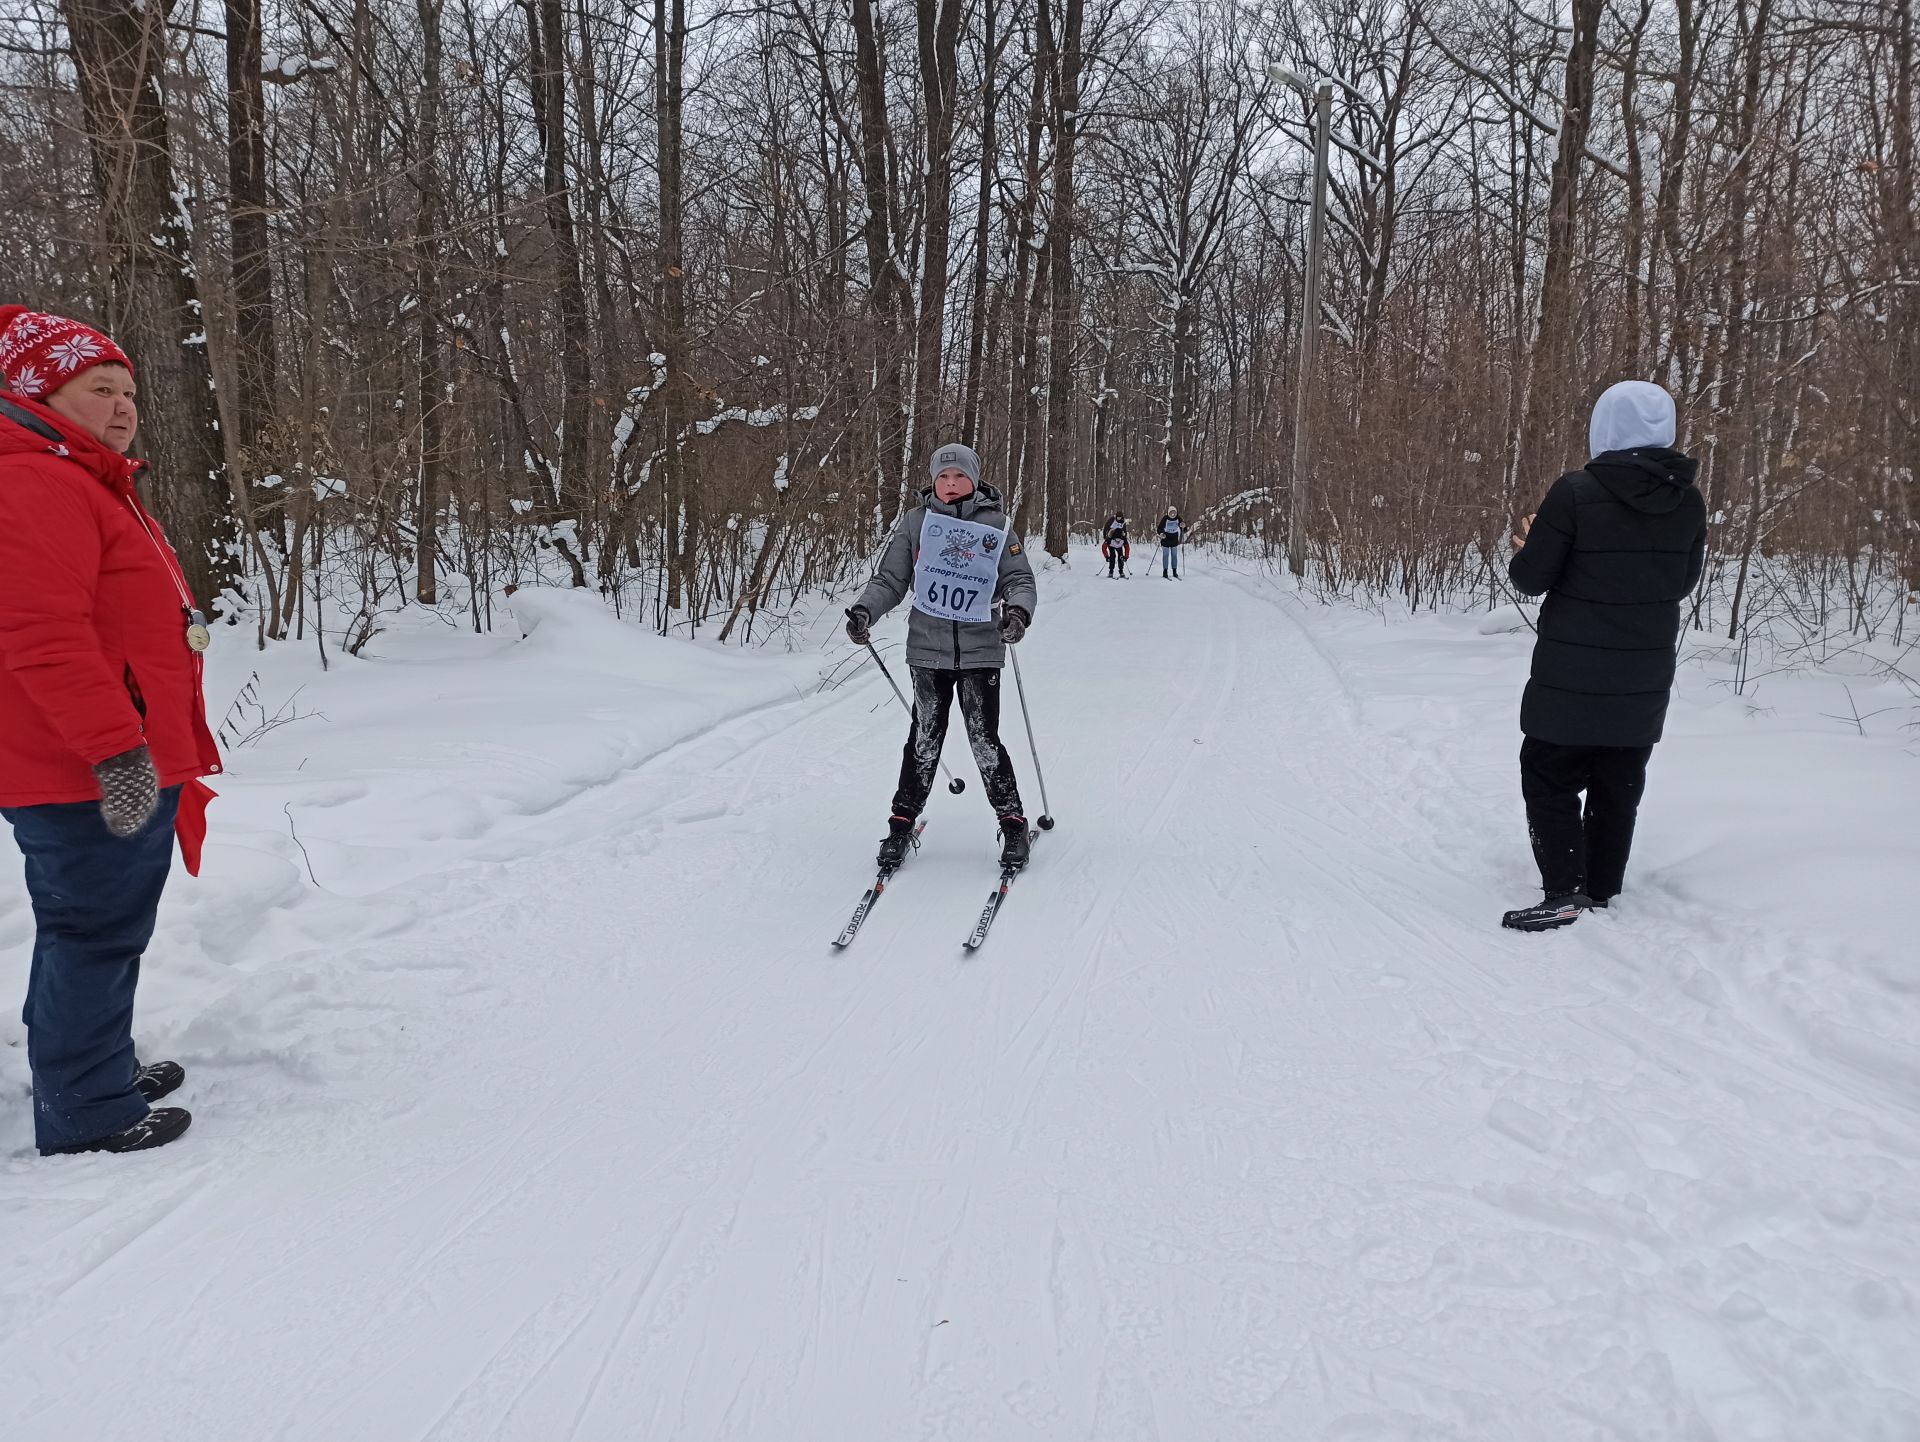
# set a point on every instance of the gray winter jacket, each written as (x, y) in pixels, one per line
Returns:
(938, 645)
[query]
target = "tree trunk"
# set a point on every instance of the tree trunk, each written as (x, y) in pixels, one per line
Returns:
(1632, 346)
(597, 190)
(939, 35)
(547, 35)
(1670, 332)
(1550, 390)
(1029, 280)
(1903, 309)
(1734, 388)
(983, 230)
(1060, 397)
(432, 391)
(256, 388)
(1182, 438)
(119, 52)
(884, 281)
(679, 490)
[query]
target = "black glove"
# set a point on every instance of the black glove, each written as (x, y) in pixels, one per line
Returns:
(1013, 625)
(859, 625)
(129, 791)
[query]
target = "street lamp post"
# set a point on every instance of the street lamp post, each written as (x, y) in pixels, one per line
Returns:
(1321, 94)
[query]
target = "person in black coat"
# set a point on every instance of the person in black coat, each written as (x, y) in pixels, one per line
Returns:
(1615, 548)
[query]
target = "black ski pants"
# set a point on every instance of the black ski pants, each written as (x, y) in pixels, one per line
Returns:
(1116, 562)
(933, 693)
(1580, 850)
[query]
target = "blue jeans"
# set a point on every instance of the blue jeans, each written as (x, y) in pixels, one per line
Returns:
(1169, 560)
(95, 897)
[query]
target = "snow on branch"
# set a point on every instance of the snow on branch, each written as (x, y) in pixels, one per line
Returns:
(1330, 318)
(292, 69)
(1237, 504)
(758, 419)
(637, 399)
(771, 416)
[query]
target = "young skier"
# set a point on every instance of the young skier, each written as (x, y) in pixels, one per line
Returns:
(1115, 547)
(958, 555)
(1170, 533)
(1615, 548)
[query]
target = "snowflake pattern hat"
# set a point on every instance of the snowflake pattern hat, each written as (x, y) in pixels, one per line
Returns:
(41, 353)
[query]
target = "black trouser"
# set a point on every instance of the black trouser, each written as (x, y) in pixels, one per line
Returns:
(1116, 560)
(1582, 852)
(933, 693)
(95, 897)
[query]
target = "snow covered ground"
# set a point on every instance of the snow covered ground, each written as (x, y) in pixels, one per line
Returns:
(531, 1102)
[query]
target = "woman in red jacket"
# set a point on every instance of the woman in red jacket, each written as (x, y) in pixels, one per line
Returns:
(103, 733)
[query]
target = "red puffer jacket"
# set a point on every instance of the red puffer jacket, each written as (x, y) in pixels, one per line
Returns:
(94, 659)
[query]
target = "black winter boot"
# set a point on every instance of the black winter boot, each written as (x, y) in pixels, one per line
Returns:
(1554, 911)
(1016, 843)
(156, 1130)
(157, 1079)
(900, 840)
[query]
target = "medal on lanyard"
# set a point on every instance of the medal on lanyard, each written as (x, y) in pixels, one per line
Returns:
(199, 638)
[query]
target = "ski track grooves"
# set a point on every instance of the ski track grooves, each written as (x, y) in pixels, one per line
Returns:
(1244, 1124)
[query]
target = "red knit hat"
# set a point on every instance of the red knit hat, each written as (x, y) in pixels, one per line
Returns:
(41, 353)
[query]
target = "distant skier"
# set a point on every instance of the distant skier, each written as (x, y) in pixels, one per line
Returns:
(1116, 548)
(1615, 547)
(958, 554)
(1171, 534)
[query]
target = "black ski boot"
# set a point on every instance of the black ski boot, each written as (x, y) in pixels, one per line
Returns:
(1016, 843)
(900, 840)
(1554, 911)
(156, 1130)
(158, 1079)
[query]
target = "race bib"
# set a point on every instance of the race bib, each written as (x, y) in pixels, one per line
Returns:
(958, 569)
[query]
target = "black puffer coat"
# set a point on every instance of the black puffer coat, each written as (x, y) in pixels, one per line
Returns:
(1616, 548)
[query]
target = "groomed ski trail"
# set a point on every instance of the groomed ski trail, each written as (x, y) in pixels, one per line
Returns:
(1247, 1123)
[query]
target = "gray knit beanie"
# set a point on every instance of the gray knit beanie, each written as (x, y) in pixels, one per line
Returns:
(956, 458)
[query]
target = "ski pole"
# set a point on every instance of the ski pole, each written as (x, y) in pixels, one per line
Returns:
(954, 783)
(1046, 821)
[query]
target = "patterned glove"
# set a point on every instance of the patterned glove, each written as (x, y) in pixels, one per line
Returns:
(129, 791)
(858, 622)
(1013, 625)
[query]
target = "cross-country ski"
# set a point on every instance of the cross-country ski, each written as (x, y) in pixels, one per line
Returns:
(881, 882)
(1008, 875)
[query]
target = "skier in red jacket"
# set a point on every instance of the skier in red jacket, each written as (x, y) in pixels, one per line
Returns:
(103, 733)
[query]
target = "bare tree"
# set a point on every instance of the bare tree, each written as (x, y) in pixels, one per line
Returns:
(153, 301)
(1061, 418)
(1550, 407)
(677, 325)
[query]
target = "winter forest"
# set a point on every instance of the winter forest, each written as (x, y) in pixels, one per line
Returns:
(432, 298)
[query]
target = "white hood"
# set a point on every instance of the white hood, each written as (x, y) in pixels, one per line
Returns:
(1631, 414)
